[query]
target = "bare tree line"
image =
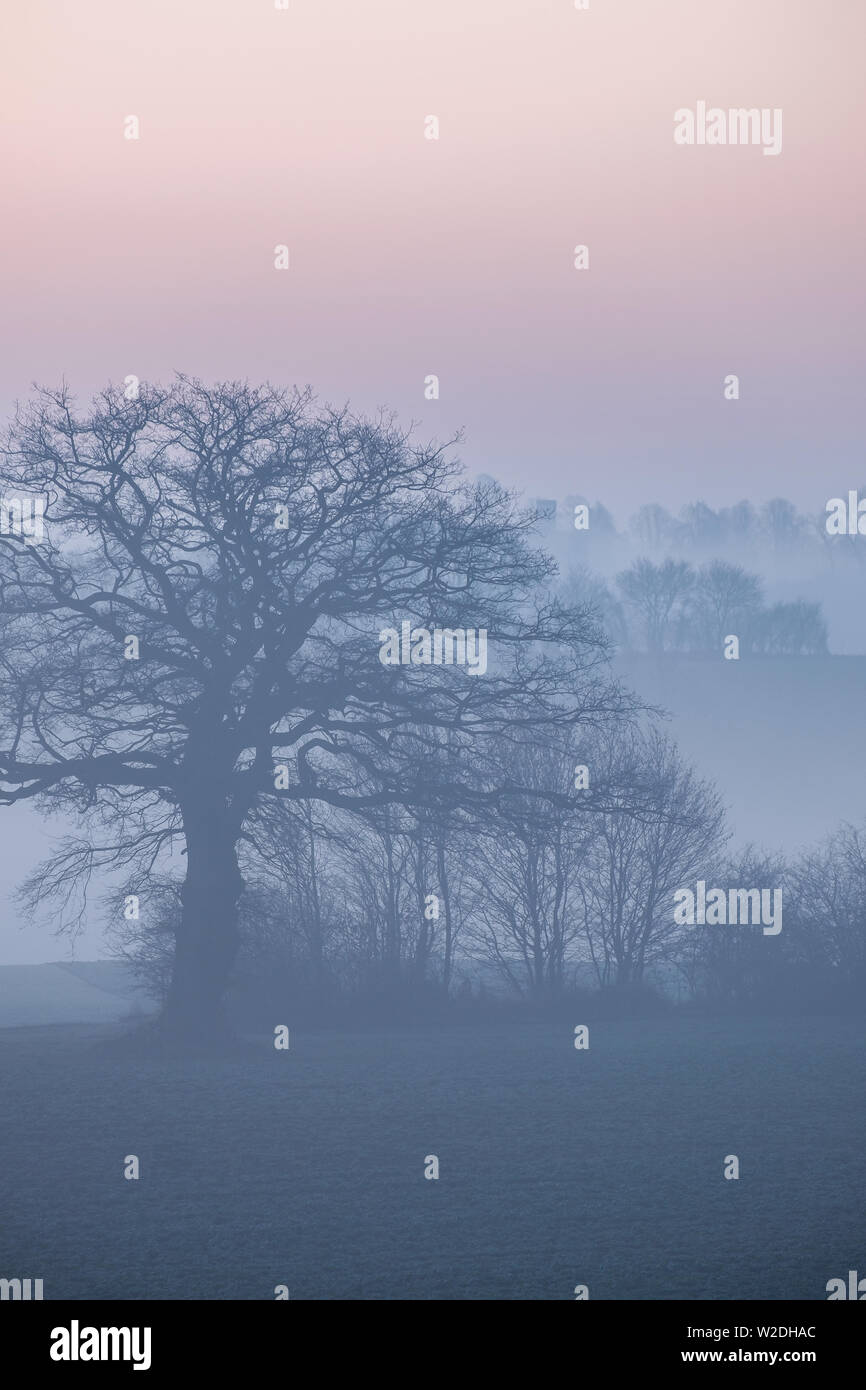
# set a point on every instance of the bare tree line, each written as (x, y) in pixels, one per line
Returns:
(396, 909)
(775, 528)
(670, 606)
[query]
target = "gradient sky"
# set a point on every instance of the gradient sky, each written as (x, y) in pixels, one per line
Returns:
(409, 257)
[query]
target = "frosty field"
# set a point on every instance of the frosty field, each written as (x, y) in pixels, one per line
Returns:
(557, 1167)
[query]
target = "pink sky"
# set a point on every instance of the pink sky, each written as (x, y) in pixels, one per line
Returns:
(454, 257)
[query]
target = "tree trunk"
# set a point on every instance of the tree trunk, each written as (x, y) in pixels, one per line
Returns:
(207, 938)
(315, 929)
(445, 890)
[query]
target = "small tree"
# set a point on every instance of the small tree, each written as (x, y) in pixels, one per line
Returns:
(736, 965)
(657, 595)
(525, 869)
(791, 629)
(828, 917)
(726, 599)
(636, 862)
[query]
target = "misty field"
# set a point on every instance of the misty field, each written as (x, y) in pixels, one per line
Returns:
(557, 1167)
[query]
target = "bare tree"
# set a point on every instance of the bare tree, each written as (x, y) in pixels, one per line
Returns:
(583, 588)
(205, 607)
(726, 599)
(524, 873)
(781, 523)
(735, 965)
(792, 629)
(701, 527)
(636, 863)
(827, 919)
(653, 526)
(657, 594)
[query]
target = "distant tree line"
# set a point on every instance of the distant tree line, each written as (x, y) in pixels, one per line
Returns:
(671, 606)
(774, 528)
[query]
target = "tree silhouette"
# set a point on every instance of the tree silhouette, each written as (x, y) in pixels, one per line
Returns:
(204, 607)
(657, 594)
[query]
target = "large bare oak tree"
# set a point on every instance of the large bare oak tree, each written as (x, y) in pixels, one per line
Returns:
(254, 543)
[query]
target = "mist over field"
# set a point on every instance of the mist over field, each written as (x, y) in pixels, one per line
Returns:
(484, 994)
(432, 654)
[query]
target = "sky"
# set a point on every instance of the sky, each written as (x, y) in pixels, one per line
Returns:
(409, 256)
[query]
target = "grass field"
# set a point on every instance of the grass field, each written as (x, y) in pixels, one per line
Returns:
(557, 1167)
